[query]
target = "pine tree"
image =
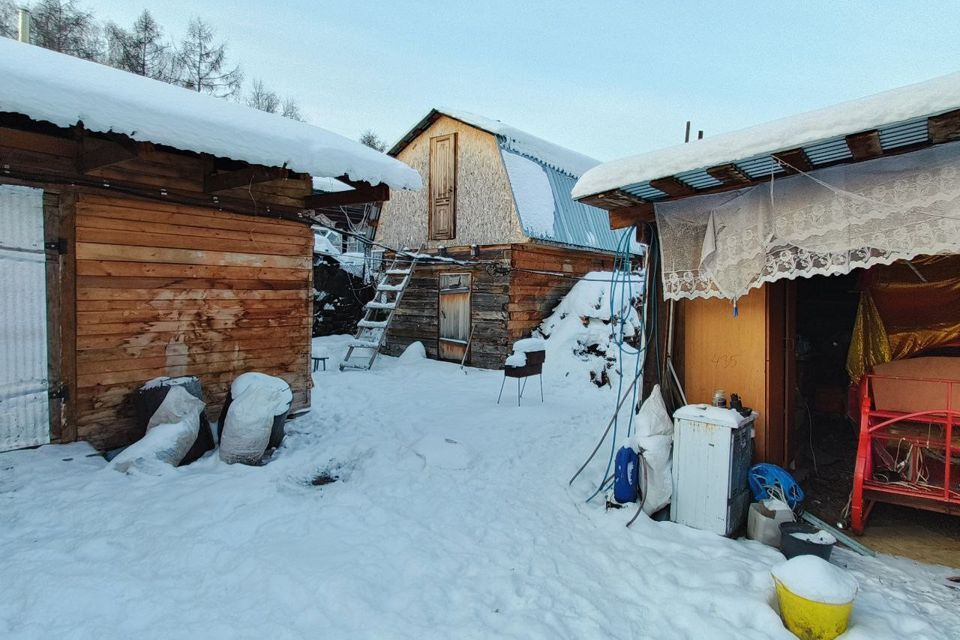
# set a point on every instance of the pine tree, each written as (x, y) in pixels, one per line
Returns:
(62, 26)
(141, 50)
(202, 63)
(372, 140)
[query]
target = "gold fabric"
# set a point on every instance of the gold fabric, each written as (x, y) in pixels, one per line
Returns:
(905, 309)
(869, 344)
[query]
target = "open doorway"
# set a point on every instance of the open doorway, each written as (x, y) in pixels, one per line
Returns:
(824, 430)
(825, 426)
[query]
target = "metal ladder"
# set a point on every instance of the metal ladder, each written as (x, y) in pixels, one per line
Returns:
(372, 328)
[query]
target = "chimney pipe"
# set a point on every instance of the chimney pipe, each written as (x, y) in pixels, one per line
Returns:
(24, 26)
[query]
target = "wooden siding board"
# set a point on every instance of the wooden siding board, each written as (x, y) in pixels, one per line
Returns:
(211, 306)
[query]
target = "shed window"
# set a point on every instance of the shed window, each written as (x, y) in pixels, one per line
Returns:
(443, 187)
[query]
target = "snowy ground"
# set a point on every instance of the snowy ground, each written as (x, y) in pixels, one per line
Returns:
(451, 519)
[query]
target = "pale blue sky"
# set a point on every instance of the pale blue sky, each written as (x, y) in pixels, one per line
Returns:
(606, 78)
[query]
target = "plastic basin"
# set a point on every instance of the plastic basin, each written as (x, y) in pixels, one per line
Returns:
(809, 619)
(792, 546)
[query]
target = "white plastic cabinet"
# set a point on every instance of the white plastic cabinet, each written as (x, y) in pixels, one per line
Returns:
(712, 450)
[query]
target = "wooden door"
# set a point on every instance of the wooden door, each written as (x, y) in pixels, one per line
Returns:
(443, 187)
(454, 311)
(24, 373)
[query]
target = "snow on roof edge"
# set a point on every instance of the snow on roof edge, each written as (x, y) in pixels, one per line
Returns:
(926, 98)
(519, 141)
(63, 90)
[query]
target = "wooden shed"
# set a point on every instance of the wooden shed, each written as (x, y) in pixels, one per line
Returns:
(149, 231)
(510, 239)
(771, 235)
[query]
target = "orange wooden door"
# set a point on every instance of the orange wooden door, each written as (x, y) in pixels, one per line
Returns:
(443, 187)
(454, 321)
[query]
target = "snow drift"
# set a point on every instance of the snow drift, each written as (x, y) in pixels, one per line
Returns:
(580, 332)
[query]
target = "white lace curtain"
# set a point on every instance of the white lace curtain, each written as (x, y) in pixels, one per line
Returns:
(827, 222)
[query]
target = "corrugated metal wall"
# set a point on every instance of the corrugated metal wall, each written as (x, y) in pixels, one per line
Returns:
(24, 408)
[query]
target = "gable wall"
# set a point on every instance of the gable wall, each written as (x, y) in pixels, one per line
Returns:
(485, 213)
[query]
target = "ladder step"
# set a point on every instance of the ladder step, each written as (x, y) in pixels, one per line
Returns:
(390, 287)
(372, 324)
(398, 272)
(362, 344)
(381, 305)
(347, 365)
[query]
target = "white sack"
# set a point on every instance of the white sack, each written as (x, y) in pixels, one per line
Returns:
(653, 419)
(656, 475)
(280, 403)
(171, 431)
(249, 420)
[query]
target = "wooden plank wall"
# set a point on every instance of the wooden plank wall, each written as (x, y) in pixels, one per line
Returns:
(176, 290)
(532, 295)
(416, 319)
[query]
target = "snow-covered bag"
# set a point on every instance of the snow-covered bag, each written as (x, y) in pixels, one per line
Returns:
(258, 403)
(653, 419)
(171, 432)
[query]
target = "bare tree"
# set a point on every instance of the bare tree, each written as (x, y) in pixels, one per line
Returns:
(290, 109)
(203, 63)
(141, 50)
(8, 19)
(372, 140)
(262, 98)
(62, 26)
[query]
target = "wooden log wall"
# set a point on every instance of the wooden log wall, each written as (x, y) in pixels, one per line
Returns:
(416, 319)
(169, 290)
(504, 306)
(534, 295)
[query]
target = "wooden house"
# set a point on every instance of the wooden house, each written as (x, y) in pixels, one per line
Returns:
(497, 207)
(145, 231)
(771, 237)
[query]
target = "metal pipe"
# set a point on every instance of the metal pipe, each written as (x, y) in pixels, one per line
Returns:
(23, 24)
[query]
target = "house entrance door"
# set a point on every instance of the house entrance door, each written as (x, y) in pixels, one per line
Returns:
(454, 310)
(24, 401)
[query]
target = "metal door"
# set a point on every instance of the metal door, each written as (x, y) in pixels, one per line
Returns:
(454, 318)
(24, 401)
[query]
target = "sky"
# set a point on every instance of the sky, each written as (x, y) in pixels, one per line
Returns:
(603, 77)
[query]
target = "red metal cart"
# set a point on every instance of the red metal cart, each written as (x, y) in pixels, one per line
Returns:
(909, 447)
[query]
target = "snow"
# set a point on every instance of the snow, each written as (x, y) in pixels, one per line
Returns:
(526, 345)
(816, 579)
(64, 90)
(281, 395)
(330, 185)
(923, 99)
(570, 162)
(532, 195)
(516, 360)
(579, 333)
(713, 415)
(820, 537)
(450, 517)
(321, 244)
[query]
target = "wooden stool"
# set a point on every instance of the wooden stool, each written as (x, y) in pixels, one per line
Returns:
(534, 367)
(317, 360)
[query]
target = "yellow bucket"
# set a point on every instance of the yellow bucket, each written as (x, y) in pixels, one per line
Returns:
(809, 619)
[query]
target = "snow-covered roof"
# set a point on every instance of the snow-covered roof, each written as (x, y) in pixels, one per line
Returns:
(886, 109)
(541, 194)
(526, 144)
(64, 90)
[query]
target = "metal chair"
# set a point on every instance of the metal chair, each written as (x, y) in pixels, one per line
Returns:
(533, 367)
